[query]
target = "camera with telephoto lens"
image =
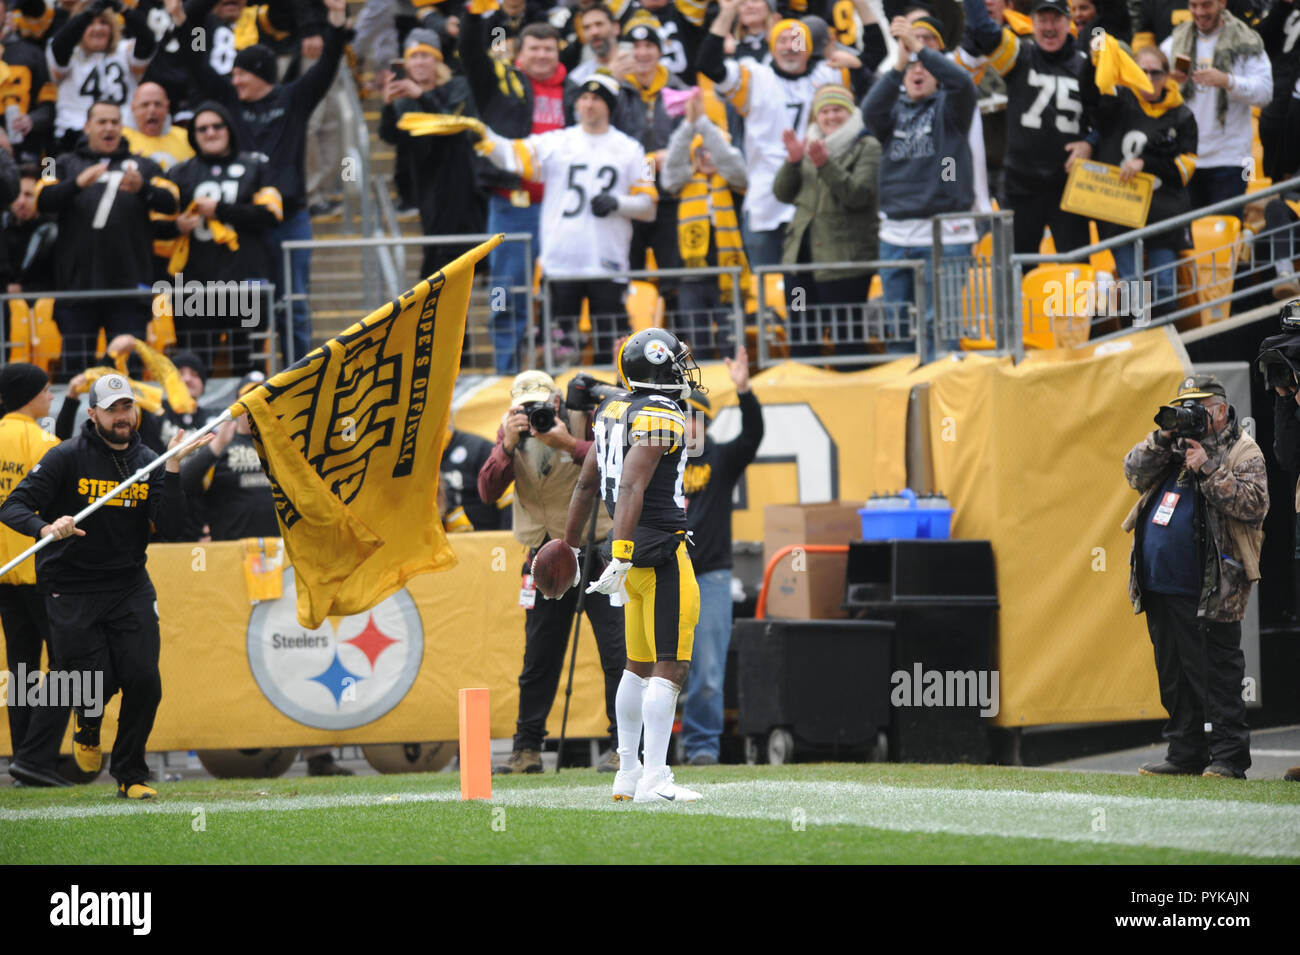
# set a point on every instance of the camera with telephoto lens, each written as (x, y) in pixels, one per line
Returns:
(1279, 355)
(586, 393)
(1186, 420)
(541, 417)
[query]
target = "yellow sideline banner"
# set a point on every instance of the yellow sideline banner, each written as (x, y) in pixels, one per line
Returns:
(238, 675)
(1032, 458)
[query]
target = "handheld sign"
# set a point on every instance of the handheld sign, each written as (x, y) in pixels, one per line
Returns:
(1095, 191)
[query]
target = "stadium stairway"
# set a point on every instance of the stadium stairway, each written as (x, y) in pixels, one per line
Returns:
(337, 275)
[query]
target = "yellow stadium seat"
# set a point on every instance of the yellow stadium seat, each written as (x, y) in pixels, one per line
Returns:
(1047, 246)
(1102, 261)
(976, 299)
(161, 330)
(1216, 245)
(984, 247)
(33, 335)
(876, 289)
(1057, 305)
(644, 306)
(773, 289)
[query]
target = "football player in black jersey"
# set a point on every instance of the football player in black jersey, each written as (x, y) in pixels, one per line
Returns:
(637, 464)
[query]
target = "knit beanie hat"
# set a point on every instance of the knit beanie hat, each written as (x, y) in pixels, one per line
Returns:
(420, 39)
(258, 60)
(20, 383)
(832, 94)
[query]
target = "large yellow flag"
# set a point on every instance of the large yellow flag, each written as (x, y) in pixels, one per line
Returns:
(351, 436)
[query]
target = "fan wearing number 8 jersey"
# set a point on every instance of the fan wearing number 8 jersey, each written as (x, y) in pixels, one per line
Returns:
(636, 464)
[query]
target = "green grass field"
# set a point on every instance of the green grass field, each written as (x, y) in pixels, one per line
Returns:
(830, 813)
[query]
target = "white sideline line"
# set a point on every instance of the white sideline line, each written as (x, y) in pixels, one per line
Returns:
(1204, 825)
(1288, 753)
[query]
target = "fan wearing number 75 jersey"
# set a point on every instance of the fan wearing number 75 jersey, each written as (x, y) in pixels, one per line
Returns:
(636, 464)
(103, 197)
(1048, 123)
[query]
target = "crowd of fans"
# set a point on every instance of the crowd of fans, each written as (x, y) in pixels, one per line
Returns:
(151, 141)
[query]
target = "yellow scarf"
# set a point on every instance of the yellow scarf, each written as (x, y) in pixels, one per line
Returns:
(222, 234)
(445, 124)
(1117, 68)
(706, 205)
(1172, 99)
(648, 93)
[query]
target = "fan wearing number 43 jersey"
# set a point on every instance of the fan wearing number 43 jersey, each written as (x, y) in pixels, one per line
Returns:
(637, 464)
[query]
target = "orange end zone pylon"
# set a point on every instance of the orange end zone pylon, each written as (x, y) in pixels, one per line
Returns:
(475, 745)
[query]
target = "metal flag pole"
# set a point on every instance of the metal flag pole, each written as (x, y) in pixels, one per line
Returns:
(137, 476)
(587, 555)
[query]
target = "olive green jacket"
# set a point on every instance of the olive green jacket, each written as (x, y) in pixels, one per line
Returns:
(839, 203)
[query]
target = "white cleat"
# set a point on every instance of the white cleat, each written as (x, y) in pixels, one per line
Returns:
(625, 783)
(659, 787)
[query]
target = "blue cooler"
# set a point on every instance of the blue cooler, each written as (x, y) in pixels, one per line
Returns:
(890, 517)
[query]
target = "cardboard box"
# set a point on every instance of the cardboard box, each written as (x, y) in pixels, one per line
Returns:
(812, 587)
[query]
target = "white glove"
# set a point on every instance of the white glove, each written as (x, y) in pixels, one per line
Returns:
(611, 581)
(577, 559)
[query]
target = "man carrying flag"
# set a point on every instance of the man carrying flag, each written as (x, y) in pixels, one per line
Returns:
(101, 604)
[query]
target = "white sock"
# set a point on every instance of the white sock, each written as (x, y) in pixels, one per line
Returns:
(627, 712)
(658, 709)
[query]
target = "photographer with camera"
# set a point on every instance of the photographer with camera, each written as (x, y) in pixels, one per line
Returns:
(1198, 531)
(541, 445)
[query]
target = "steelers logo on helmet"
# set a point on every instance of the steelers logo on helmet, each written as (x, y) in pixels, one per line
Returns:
(656, 351)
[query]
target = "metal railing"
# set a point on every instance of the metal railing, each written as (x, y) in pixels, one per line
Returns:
(850, 329)
(261, 337)
(606, 329)
(1227, 281)
(370, 247)
(976, 304)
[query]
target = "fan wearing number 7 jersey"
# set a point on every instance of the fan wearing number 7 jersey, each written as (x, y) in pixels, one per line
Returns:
(1047, 126)
(596, 182)
(103, 197)
(637, 463)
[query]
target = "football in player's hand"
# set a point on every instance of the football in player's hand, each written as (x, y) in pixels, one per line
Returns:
(554, 569)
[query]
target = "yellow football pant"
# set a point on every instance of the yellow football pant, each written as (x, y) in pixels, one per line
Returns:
(662, 609)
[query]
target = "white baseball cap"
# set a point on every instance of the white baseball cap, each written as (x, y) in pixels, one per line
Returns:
(108, 389)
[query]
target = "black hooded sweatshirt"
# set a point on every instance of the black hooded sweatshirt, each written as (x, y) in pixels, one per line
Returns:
(276, 124)
(111, 557)
(248, 203)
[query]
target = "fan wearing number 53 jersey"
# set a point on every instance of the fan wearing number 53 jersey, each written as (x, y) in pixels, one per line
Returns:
(103, 197)
(637, 464)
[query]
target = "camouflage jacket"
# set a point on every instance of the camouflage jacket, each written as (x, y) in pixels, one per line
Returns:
(1232, 500)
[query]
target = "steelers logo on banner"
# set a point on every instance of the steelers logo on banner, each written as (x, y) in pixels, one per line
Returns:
(347, 672)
